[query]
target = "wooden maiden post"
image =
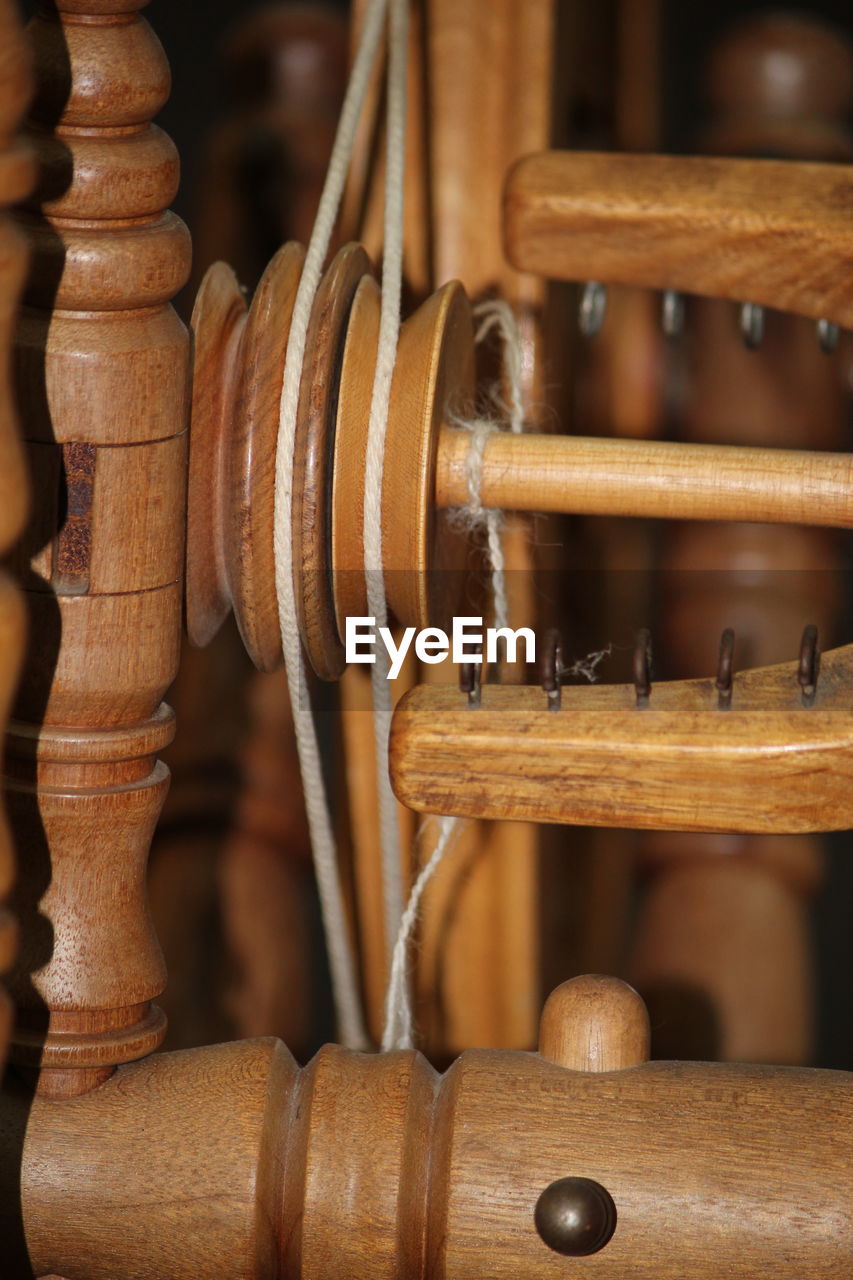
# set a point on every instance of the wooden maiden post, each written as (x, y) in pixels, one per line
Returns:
(102, 366)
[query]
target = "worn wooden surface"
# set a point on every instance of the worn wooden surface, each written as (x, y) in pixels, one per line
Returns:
(767, 231)
(767, 765)
(438, 1175)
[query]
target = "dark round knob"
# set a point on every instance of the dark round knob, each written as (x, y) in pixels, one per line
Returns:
(575, 1216)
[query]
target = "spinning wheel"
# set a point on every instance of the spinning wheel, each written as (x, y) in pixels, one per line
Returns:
(359, 1165)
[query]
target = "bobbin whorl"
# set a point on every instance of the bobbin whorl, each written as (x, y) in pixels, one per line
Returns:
(238, 374)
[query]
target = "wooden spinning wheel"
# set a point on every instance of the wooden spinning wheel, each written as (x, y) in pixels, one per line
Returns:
(118, 1161)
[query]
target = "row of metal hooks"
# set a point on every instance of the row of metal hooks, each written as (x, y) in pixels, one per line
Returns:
(553, 671)
(593, 308)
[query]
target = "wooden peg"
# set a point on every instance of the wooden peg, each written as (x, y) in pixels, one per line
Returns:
(781, 84)
(594, 1023)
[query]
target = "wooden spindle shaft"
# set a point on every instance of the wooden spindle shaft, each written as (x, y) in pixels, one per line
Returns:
(438, 1175)
(102, 364)
(580, 476)
(16, 177)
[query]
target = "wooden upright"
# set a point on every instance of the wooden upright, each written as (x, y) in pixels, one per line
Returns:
(102, 365)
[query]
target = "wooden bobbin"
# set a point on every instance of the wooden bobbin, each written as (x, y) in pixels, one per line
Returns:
(239, 369)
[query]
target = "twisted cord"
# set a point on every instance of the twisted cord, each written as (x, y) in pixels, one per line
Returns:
(399, 1028)
(341, 958)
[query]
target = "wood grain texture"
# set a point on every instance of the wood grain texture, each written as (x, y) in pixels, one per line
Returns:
(769, 231)
(104, 363)
(374, 1167)
(314, 454)
(492, 86)
(594, 1023)
(217, 324)
(595, 476)
(681, 764)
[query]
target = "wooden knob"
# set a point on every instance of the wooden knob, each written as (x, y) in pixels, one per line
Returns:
(594, 1023)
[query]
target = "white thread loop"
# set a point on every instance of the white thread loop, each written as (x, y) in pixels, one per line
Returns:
(399, 1032)
(389, 331)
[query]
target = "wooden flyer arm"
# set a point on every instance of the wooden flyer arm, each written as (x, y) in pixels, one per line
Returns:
(229, 1159)
(774, 232)
(768, 764)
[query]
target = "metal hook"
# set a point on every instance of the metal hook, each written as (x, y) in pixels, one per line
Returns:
(643, 667)
(672, 313)
(827, 336)
(725, 661)
(552, 668)
(470, 674)
(752, 324)
(809, 665)
(592, 309)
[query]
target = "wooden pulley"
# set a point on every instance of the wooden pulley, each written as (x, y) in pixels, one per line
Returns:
(239, 370)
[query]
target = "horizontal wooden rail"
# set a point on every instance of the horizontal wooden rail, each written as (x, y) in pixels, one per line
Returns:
(775, 232)
(767, 765)
(575, 475)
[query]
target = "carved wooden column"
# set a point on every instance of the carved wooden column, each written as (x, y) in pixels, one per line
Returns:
(16, 172)
(102, 362)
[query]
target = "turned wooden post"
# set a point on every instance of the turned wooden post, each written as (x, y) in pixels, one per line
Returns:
(16, 173)
(102, 366)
